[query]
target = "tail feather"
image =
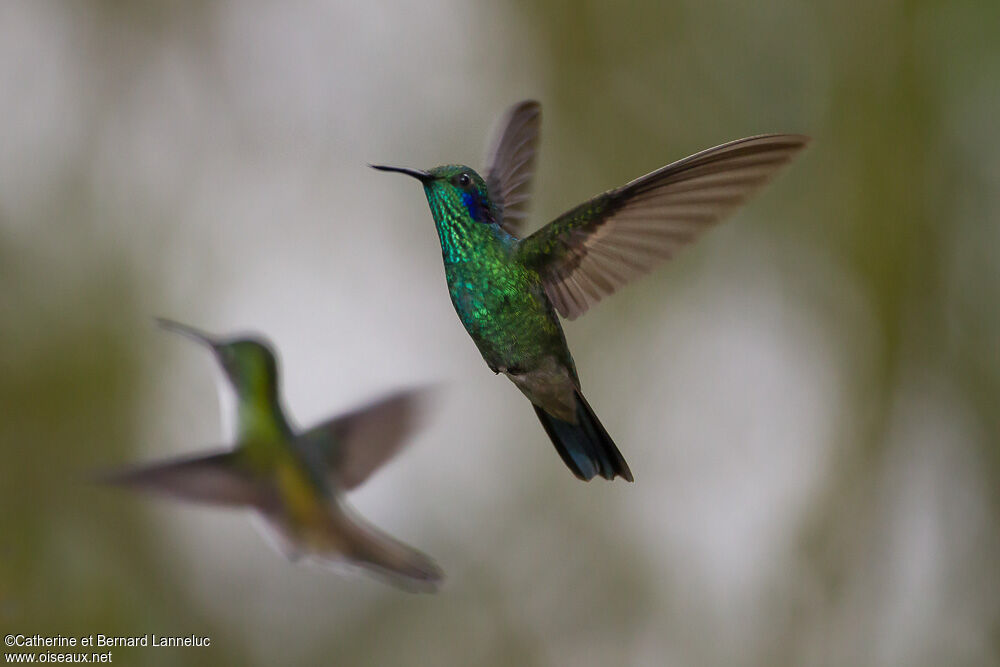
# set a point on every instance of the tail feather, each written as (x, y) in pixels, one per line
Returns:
(398, 563)
(346, 542)
(585, 447)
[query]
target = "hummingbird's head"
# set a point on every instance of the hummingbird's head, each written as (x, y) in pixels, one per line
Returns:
(249, 363)
(453, 190)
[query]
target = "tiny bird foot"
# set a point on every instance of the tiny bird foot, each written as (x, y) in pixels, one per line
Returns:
(507, 370)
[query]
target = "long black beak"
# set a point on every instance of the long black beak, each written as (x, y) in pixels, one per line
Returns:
(188, 332)
(418, 174)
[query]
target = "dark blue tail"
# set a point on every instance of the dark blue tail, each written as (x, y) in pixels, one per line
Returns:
(585, 446)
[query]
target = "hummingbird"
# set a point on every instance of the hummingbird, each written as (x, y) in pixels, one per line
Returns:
(295, 480)
(508, 288)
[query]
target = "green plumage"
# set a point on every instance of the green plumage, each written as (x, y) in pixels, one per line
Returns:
(500, 301)
(507, 290)
(295, 479)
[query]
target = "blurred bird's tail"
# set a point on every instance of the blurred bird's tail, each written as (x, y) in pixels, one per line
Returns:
(383, 555)
(346, 542)
(585, 446)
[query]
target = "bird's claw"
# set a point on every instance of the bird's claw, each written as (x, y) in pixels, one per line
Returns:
(506, 370)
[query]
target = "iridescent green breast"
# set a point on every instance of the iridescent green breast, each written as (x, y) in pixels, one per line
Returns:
(500, 302)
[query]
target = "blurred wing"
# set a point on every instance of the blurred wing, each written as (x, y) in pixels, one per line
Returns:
(510, 163)
(353, 446)
(589, 252)
(213, 479)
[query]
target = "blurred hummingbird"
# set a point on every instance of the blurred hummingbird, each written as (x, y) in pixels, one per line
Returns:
(295, 480)
(507, 289)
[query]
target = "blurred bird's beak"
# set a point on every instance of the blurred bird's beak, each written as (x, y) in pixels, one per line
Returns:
(418, 174)
(188, 332)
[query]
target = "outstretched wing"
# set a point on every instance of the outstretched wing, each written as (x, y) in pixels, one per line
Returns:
(510, 163)
(354, 445)
(214, 479)
(590, 251)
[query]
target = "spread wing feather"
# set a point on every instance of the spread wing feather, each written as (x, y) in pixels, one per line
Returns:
(510, 163)
(594, 249)
(354, 445)
(216, 479)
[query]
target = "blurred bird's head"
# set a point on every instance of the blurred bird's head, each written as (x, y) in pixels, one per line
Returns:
(248, 363)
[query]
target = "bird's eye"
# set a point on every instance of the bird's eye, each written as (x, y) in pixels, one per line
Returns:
(463, 180)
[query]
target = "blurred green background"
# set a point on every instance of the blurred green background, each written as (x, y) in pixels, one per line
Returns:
(808, 398)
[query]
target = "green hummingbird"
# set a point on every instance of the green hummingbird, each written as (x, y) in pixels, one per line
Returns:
(295, 480)
(508, 289)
